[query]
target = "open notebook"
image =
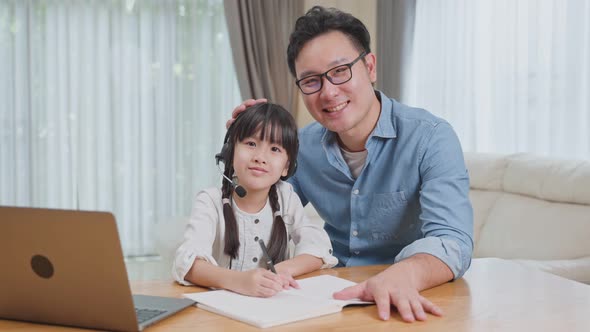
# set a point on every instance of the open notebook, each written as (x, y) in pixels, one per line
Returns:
(313, 299)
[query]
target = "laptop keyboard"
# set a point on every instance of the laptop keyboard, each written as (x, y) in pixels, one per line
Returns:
(147, 314)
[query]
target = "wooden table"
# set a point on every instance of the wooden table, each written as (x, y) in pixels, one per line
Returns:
(494, 295)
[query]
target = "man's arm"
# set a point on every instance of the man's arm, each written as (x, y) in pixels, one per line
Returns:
(447, 224)
(428, 271)
(446, 213)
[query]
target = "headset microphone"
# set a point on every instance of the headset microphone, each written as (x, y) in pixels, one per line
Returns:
(241, 191)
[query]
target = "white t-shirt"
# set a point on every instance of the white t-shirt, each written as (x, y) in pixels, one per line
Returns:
(355, 161)
(205, 233)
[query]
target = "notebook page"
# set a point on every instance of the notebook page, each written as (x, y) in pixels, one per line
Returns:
(323, 287)
(262, 312)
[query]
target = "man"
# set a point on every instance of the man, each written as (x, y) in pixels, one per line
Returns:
(389, 180)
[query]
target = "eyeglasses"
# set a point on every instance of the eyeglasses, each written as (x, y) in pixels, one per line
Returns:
(337, 75)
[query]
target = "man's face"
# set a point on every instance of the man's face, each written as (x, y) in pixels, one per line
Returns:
(340, 108)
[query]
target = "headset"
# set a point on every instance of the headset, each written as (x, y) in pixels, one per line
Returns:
(224, 156)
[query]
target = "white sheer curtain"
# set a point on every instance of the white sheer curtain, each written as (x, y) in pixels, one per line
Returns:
(113, 105)
(510, 76)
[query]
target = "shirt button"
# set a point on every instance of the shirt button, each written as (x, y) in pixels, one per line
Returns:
(330, 251)
(255, 259)
(356, 191)
(256, 239)
(256, 221)
(355, 233)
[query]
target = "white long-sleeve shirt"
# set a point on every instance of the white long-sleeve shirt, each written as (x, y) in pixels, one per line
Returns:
(205, 233)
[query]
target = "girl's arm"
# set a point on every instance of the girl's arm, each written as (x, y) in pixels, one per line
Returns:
(257, 282)
(299, 265)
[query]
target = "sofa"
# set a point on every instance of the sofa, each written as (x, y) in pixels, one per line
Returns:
(532, 210)
(528, 209)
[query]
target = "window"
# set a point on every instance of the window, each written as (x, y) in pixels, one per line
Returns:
(113, 105)
(510, 76)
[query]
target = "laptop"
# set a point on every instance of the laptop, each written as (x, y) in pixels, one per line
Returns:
(66, 268)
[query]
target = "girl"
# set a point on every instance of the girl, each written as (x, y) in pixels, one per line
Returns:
(221, 242)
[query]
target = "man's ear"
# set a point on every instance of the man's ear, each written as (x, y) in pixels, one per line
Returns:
(371, 64)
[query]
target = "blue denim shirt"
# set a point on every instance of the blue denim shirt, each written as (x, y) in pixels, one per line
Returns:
(411, 196)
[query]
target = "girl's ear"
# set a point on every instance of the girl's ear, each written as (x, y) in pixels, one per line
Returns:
(286, 170)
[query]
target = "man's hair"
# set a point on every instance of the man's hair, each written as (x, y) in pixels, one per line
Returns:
(319, 20)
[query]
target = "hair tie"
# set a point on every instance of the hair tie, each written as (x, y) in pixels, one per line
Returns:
(225, 200)
(277, 214)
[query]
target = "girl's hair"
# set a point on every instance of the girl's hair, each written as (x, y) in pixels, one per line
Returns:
(276, 125)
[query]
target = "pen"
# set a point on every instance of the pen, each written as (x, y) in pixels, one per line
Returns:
(269, 263)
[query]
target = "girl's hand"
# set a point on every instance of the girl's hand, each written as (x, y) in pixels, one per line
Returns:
(288, 281)
(258, 282)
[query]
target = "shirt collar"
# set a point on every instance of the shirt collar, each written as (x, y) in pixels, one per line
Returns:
(385, 125)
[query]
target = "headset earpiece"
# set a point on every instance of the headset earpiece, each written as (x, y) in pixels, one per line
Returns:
(223, 155)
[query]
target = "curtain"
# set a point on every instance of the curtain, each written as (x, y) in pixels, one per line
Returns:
(259, 32)
(113, 105)
(510, 76)
(395, 33)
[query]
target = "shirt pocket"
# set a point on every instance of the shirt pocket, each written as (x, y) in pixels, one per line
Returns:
(386, 214)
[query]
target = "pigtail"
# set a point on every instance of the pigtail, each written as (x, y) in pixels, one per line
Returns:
(232, 241)
(277, 248)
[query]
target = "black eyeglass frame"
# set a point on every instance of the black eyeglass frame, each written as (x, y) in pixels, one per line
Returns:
(325, 74)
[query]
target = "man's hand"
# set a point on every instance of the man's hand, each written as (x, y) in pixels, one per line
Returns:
(257, 282)
(399, 285)
(242, 107)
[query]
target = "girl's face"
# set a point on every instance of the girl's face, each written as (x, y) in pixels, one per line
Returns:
(258, 163)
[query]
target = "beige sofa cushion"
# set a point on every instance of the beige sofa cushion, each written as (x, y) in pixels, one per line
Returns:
(566, 181)
(486, 171)
(482, 202)
(534, 210)
(523, 227)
